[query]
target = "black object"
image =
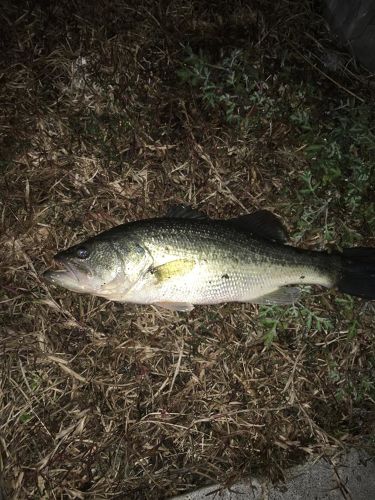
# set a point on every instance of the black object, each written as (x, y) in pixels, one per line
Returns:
(354, 22)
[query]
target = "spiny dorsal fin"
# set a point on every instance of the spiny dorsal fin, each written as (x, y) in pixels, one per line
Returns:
(262, 223)
(184, 212)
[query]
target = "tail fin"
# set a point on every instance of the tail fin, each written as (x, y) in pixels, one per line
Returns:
(358, 272)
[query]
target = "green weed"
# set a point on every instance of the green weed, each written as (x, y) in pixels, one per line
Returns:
(338, 140)
(24, 417)
(229, 85)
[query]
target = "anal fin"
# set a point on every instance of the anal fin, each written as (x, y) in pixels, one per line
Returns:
(280, 296)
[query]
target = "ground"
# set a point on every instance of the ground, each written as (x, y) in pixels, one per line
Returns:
(112, 111)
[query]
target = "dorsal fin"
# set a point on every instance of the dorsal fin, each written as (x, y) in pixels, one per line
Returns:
(184, 212)
(262, 223)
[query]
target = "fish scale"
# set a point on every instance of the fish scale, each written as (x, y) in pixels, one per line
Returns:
(230, 265)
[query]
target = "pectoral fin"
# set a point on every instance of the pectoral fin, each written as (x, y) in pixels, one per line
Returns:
(175, 306)
(173, 269)
(283, 295)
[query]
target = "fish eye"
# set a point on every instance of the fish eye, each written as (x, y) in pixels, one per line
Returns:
(139, 249)
(82, 253)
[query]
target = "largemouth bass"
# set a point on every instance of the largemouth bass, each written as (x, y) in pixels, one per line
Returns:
(185, 258)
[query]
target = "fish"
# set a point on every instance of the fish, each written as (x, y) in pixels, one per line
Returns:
(185, 258)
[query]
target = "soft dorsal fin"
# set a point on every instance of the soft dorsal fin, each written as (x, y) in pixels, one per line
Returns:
(262, 223)
(184, 212)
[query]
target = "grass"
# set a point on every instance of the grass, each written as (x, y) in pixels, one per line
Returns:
(112, 114)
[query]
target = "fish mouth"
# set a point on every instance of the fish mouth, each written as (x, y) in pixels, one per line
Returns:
(68, 277)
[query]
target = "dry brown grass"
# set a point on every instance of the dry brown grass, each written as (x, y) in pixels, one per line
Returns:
(102, 400)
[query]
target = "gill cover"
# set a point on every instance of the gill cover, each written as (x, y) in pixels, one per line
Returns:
(134, 261)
